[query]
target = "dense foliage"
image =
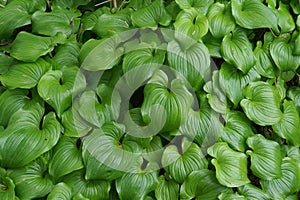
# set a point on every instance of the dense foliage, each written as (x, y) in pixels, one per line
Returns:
(149, 99)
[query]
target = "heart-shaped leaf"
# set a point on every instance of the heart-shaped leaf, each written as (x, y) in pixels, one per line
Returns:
(25, 75)
(33, 177)
(221, 21)
(60, 191)
(202, 184)
(66, 158)
(288, 127)
(265, 157)
(231, 166)
(262, 103)
(34, 46)
(181, 160)
(254, 14)
(166, 190)
(30, 134)
(151, 16)
(237, 129)
(237, 50)
(58, 87)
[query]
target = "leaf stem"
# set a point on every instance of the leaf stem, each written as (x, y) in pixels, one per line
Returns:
(99, 4)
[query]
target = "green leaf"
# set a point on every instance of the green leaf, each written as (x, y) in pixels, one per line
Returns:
(294, 94)
(213, 45)
(92, 190)
(191, 23)
(232, 81)
(202, 184)
(235, 196)
(98, 55)
(166, 190)
(253, 193)
(172, 103)
(34, 46)
(180, 161)
(25, 75)
(231, 166)
(32, 181)
(265, 157)
(59, 86)
(287, 184)
(7, 186)
(262, 103)
(288, 127)
(60, 191)
(51, 23)
(193, 63)
(89, 19)
(237, 129)
(282, 53)
(61, 4)
(136, 185)
(201, 6)
(6, 62)
(66, 158)
(285, 19)
(237, 50)
(221, 21)
(30, 134)
(253, 14)
(151, 16)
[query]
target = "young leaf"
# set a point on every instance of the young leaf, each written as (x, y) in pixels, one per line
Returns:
(202, 184)
(265, 157)
(34, 46)
(166, 190)
(231, 166)
(262, 103)
(252, 14)
(182, 160)
(60, 191)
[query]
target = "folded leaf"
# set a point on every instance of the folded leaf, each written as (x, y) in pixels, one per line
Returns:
(262, 103)
(34, 46)
(237, 129)
(265, 157)
(202, 184)
(7, 190)
(60, 191)
(66, 158)
(30, 134)
(288, 127)
(231, 166)
(237, 50)
(221, 21)
(287, 184)
(228, 196)
(59, 86)
(25, 75)
(33, 177)
(166, 190)
(201, 6)
(253, 193)
(232, 81)
(151, 16)
(191, 23)
(252, 14)
(294, 94)
(179, 161)
(285, 19)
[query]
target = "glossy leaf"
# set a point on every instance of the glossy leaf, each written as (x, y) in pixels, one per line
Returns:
(151, 16)
(30, 134)
(202, 184)
(166, 190)
(33, 177)
(294, 94)
(34, 46)
(25, 75)
(228, 196)
(285, 19)
(7, 190)
(288, 127)
(201, 6)
(287, 184)
(57, 87)
(221, 21)
(265, 157)
(60, 191)
(231, 166)
(60, 4)
(237, 50)
(237, 129)
(262, 103)
(253, 193)
(6, 62)
(191, 23)
(232, 81)
(66, 158)
(254, 14)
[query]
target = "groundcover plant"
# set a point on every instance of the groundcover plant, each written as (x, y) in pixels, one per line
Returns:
(149, 99)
